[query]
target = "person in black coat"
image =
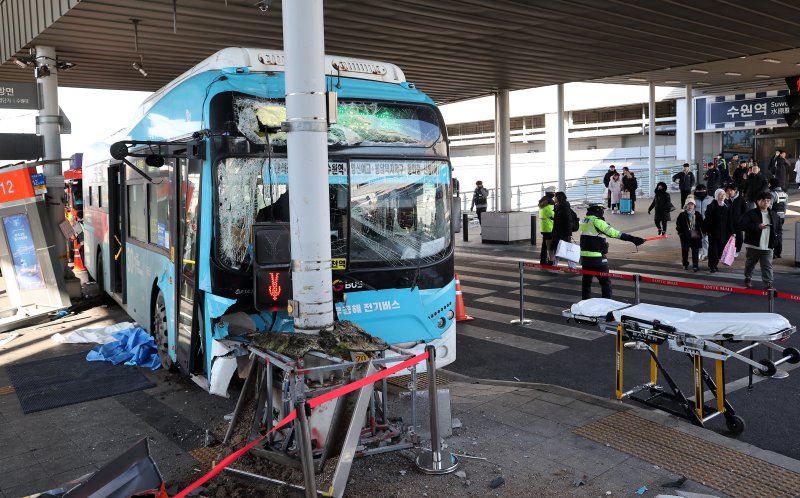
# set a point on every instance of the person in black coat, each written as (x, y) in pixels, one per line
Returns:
(718, 224)
(760, 238)
(562, 222)
(689, 226)
(713, 178)
(738, 208)
(607, 178)
(662, 203)
(755, 184)
(630, 184)
(740, 176)
(685, 181)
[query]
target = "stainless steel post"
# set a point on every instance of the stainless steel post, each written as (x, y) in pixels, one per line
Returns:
(306, 455)
(521, 320)
(779, 374)
(465, 226)
(414, 400)
(637, 289)
(436, 461)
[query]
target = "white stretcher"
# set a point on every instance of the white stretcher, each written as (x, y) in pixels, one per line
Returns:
(698, 335)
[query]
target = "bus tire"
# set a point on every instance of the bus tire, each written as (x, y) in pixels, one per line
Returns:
(160, 332)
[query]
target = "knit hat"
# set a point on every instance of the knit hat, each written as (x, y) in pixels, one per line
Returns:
(718, 191)
(689, 199)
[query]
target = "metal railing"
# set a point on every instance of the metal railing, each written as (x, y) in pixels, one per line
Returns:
(585, 190)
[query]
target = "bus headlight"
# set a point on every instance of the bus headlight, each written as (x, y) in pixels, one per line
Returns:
(450, 315)
(441, 322)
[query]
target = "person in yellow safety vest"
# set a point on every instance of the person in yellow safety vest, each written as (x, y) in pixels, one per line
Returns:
(594, 230)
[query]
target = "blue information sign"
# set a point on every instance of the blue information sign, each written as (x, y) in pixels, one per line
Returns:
(23, 252)
(733, 111)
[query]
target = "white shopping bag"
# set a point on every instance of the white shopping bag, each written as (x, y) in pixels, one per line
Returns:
(569, 251)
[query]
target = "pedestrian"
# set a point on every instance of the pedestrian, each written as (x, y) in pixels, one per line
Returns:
(797, 173)
(754, 186)
(779, 200)
(689, 226)
(685, 180)
(662, 203)
(740, 176)
(546, 216)
(782, 171)
(772, 167)
(722, 168)
(607, 178)
(479, 199)
(594, 247)
(712, 178)
(630, 184)
(562, 223)
(702, 201)
(759, 239)
(615, 192)
(718, 224)
(738, 208)
(733, 165)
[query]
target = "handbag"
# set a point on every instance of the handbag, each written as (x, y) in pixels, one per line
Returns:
(729, 252)
(694, 234)
(569, 251)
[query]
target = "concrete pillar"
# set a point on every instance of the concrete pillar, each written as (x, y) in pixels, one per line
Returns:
(689, 125)
(561, 132)
(503, 127)
(47, 125)
(651, 138)
(307, 150)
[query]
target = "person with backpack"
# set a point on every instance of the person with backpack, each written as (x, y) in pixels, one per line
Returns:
(479, 199)
(779, 201)
(662, 203)
(565, 222)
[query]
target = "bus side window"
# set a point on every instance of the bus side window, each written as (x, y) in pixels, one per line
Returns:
(90, 196)
(99, 196)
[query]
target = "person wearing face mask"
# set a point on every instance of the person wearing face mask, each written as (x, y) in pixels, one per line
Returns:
(718, 224)
(662, 203)
(702, 200)
(689, 226)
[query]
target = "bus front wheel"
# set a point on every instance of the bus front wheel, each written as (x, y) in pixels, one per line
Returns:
(160, 333)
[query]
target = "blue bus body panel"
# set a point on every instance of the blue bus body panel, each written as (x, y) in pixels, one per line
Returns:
(144, 267)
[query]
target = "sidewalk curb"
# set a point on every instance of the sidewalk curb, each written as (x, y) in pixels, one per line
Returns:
(658, 417)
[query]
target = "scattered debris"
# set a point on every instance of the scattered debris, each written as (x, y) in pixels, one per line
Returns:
(7, 337)
(579, 482)
(403, 472)
(497, 482)
(675, 484)
(641, 490)
(517, 379)
(455, 423)
(461, 474)
(343, 339)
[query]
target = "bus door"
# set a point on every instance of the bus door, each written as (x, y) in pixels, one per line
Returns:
(116, 231)
(189, 342)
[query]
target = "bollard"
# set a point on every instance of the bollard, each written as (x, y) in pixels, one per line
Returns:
(465, 226)
(414, 402)
(779, 374)
(436, 461)
(533, 229)
(637, 282)
(304, 441)
(522, 320)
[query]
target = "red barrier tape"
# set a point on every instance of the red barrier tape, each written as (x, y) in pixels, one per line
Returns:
(657, 237)
(661, 281)
(313, 402)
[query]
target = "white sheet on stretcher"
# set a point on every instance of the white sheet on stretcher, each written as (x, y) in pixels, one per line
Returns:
(705, 325)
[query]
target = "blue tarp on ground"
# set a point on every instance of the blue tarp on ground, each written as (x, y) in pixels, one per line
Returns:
(134, 347)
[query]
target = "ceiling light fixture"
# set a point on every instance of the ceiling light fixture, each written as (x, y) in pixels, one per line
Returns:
(698, 71)
(733, 74)
(671, 82)
(139, 66)
(771, 61)
(64, 65)
(762, 76)
(702, 83)
(637, 79)
(22, 61)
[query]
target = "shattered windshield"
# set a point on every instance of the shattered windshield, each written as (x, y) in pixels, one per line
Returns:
(391, 213)
(359, 123)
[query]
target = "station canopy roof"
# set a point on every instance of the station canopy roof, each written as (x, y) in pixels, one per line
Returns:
(452, 49)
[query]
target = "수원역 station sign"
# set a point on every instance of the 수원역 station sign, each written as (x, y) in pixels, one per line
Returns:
(757, 109)
(15, 95)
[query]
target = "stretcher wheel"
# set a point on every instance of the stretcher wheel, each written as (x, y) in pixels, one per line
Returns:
(735, 424)
(793, 354)
(771, 368)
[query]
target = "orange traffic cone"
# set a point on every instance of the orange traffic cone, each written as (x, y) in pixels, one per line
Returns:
(76, 252)
(461, 312)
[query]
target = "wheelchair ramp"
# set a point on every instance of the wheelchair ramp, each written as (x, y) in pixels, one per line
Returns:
(718, 467)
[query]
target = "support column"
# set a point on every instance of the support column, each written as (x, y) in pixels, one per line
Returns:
(503, 127)
(307, 150)
(48, 126)
(651, 139)
(561, 132)
(689, 125)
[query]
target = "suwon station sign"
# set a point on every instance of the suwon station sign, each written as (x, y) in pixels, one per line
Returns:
(14, 95)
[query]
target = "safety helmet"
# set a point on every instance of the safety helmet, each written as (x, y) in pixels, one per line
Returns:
(595, 210)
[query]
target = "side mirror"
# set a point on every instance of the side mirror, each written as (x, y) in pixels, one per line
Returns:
(119, 151)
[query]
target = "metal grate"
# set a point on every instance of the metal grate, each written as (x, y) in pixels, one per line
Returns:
(720, 468)
(7, 390)
(404, 381)
(206, 456)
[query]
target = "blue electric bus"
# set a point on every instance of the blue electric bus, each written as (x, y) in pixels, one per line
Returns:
(170, 216)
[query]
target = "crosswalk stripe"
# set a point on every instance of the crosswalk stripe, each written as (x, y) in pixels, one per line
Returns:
(468, 290)
(549, 327)
(512, 340)
(529, 306)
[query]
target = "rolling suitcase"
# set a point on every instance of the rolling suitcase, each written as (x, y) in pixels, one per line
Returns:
(624, 206)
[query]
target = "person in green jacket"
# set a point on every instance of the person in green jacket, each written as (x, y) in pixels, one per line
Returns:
(547, 214)
(594, 230)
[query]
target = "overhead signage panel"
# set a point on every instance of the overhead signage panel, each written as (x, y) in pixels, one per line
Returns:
(14, 95)
(758, 109)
